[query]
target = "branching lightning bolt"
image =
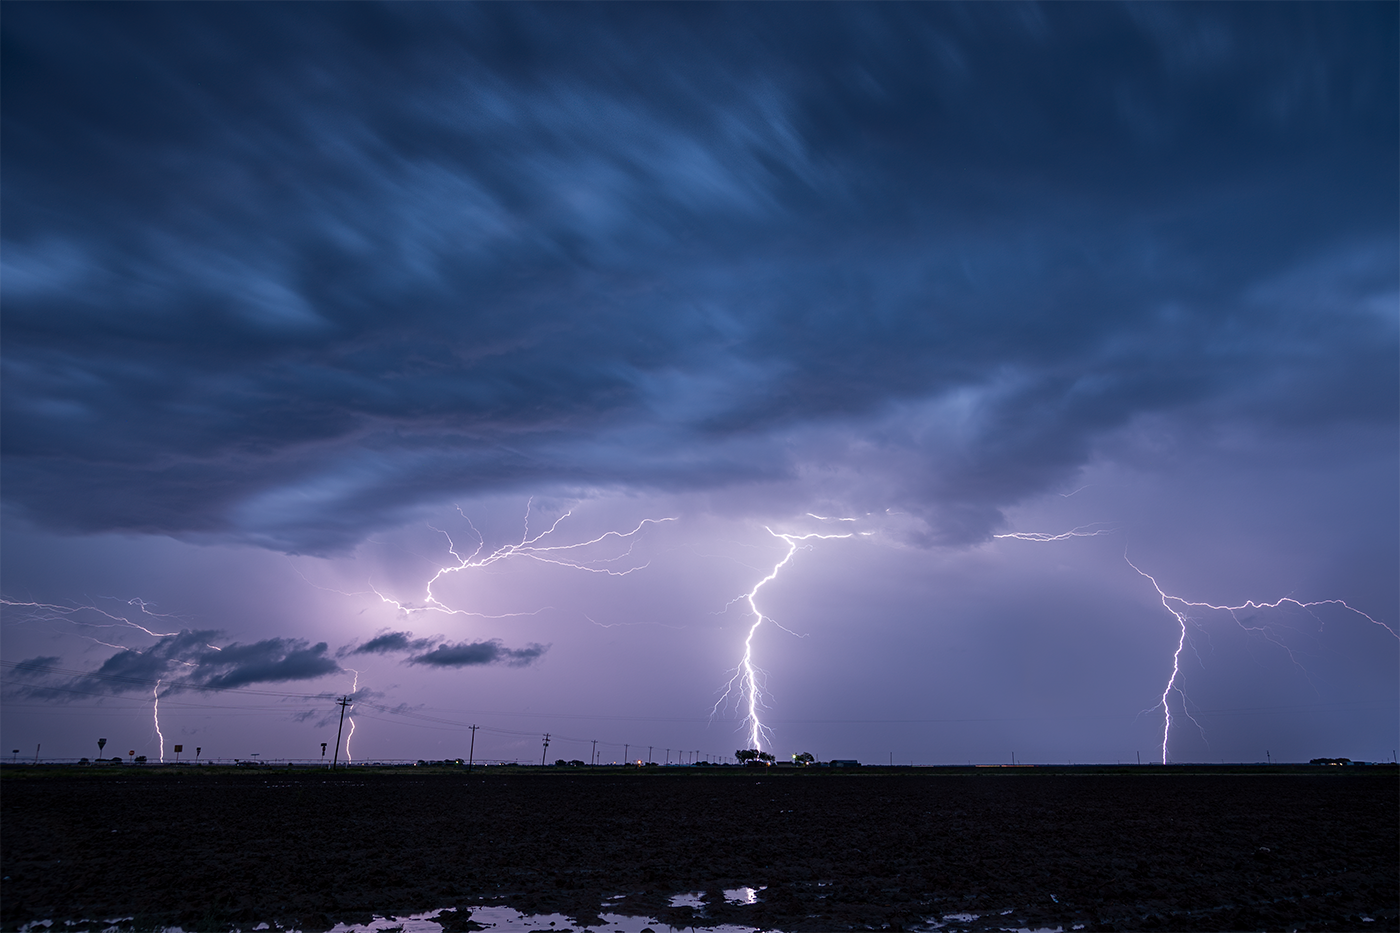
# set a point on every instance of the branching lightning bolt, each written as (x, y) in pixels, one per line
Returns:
(744, 685)
(54, 613)
(1179, 607)
(1091, 530)
(1176, 668)
(1181, 617)
(51, 612)
(528, 547)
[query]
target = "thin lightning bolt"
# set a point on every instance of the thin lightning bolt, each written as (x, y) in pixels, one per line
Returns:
(1179, 608)
(51, 612)
(155, 711)
(745, 682)
(1176, 667)
(350, 714)
(1180, 614)
(528, 547)
(1091, 530)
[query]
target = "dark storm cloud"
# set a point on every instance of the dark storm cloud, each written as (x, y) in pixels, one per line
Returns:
(390, 642)
(38, 665)
(284, 274)
(464, 654)
(472, 654)
(186, 660)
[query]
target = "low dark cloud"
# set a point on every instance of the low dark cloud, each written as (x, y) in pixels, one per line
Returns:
(390, 642)
(186, 661)
(286, 274)
(473, 654)
(43, 664)
(436, 653)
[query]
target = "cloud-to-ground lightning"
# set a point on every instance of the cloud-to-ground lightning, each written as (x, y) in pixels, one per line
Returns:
(71, 614)
(1180, 607)
(528, 547)
(1170, 602)
(349, 713)
(745, 682)
(155, 712)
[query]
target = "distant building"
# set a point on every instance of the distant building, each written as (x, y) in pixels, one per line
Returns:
(843, 763)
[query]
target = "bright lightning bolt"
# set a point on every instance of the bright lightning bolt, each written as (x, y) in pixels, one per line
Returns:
(51, 612)
(354, 687)
(54, 613)
(1176, 668)
(1179, 608)
(745, 682)
(1181, 617)
(155, 711)
(562, 555)
(1091, 530)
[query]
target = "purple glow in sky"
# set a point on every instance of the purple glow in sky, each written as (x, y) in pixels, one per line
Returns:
(486, 362)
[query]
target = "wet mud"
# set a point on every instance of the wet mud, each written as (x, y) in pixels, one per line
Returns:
(1033, 848)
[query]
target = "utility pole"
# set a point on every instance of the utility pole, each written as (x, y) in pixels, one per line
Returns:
(626, 747)
(1268, 756)
(594, 759)
(471, 753)
(1139, 754)
(36, 753)
(344, 702)
(544, 753)
(649, 751)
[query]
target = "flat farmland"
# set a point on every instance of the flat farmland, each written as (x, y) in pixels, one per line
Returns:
(1151, 848)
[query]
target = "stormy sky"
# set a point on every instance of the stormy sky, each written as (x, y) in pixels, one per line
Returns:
(474, 360)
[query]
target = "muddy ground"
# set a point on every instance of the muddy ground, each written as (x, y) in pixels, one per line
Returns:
(1112, 850)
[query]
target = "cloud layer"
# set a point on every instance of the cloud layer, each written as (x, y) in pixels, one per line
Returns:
(436, 652)
(189, 660)
(185, 661)
(285, 275)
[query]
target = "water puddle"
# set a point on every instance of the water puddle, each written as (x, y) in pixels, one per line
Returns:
(493, 918)
(507, 918)
(693, 899)
(743, 895)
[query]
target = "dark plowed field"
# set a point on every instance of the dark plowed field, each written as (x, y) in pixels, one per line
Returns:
(1155, 849)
